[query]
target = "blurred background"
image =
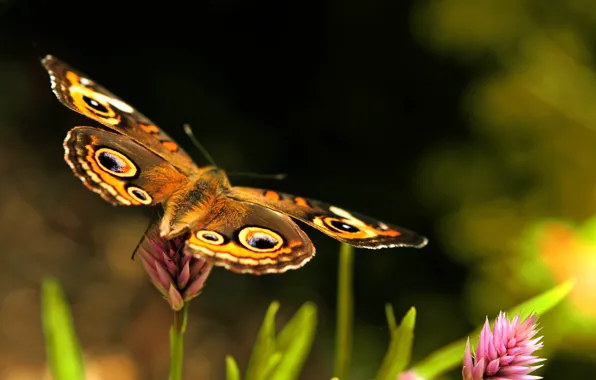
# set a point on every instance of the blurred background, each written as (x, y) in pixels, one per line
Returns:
(471, 122)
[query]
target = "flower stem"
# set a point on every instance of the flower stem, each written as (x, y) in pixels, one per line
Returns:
(177, 331)
(345, 309)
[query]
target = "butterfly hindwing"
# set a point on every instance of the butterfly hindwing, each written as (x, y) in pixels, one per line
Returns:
(248, 238)
(346, 226)
(83, 95)
(119, 169)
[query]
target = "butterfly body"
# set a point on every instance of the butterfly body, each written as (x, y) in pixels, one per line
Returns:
(132, 162)
(196, 203)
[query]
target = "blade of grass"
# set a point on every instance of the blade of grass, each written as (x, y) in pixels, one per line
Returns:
(62, 347)
(450, 356)
(345, 310)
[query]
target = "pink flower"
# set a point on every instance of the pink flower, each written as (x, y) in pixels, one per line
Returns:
(409, 375)
(506, 353)
(178, 277)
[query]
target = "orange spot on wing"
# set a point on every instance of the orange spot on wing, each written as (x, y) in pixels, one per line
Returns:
(73, 78)
(392, 233)
(170, 145)
(301, 202)
(77, 92)
(272, 195)
(149, 128)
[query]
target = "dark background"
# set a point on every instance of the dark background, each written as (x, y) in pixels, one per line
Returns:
(338, 95)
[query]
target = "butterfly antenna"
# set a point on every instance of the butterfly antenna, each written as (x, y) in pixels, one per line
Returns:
(151, 223)
(196, 142)
(279, 177)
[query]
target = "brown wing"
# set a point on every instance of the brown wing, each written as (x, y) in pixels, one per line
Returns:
(248, 238)
(346, 226)
(81, 94)
(122, 171)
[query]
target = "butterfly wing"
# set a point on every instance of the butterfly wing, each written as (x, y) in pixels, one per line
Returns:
(83, 95)
(346, 226)
(248, 238)
(119, 169)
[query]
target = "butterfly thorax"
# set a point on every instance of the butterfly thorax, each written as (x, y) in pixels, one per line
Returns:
(194, 203)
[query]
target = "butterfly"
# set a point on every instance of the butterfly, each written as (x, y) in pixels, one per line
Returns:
(132, 162)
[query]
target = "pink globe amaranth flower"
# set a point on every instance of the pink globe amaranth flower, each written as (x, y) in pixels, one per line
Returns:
(409, 375)
(178, 277)
(506, 353)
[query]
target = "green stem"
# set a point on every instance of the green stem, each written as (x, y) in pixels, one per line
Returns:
(345, 309)
(177, 331)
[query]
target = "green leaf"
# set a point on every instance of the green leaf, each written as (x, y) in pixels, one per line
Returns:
(271, 364)
(232, 371)
(451, 356)
(400, 348)
(281, 358)
(264, 346)
(390, 315)
(543, 302)
(295, 341)
(62, 347)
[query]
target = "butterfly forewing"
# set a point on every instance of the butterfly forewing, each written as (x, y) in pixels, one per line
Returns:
(83, 95)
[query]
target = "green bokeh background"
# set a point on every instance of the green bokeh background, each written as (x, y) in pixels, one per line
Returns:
(471, 122)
